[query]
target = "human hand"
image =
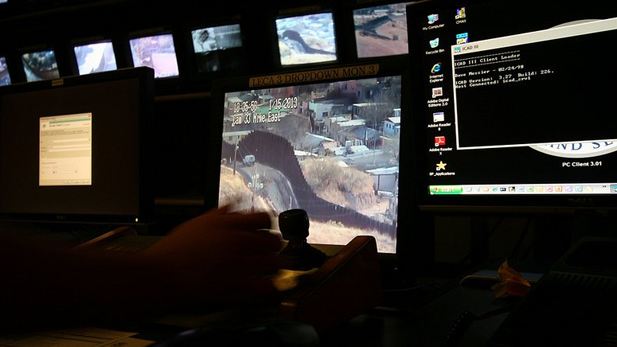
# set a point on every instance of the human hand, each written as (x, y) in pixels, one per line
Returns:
(219, 257)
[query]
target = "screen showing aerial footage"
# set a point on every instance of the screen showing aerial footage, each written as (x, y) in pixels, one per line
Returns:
(95, 57)
(306, 39)
(5, 78)
(40, 65)
(330, 148)
(381, 30)
(157, 52)
(217, 48)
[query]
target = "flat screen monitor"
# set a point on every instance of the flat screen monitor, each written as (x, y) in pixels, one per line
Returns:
(306, 38)
(40, 65)
(510, 105)
(95, 57)
(5, 77)
(381, 30)
(218, 48)
(157, 52)
(326, 141)
(77, 148)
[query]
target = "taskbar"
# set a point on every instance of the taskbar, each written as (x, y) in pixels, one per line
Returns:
(524, 189)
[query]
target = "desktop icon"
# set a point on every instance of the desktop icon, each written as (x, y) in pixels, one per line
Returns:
(462, 38)
(440, 141)
(436, 68)
(434, 43)
(440, 166)
(432, 18)
(460, 13)
(437, 92)
(438, 117)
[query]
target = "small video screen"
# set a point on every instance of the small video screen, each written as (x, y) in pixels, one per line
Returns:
(381, 30)
(218, 48)
(157, 52)
(95, 57)
(40, 65)
(5, 78)
(306, 39)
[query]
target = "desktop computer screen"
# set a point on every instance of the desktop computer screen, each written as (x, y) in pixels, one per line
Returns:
(513, 103)
(78, 148)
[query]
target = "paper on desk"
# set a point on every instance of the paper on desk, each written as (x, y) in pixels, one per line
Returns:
(73, 338)
(511, 282)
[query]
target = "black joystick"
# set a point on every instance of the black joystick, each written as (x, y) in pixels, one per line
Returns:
(298, 254)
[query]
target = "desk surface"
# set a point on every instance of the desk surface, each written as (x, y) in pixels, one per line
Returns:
(428, 325)
(425, 326)
(419, 319)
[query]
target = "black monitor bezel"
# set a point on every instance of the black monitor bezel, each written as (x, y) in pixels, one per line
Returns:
(407, 223)
(145, 211)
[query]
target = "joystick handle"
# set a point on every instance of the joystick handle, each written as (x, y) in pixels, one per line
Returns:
(294, 224)
(298, 254)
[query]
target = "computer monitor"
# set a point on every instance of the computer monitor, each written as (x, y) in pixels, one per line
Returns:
(218, 48)
(5, 77)
(381, 30)
(306, 38)
(78, 148)
(326, 141)
(156, 51)
(40, 65)
(91, 57)
(511, 110)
